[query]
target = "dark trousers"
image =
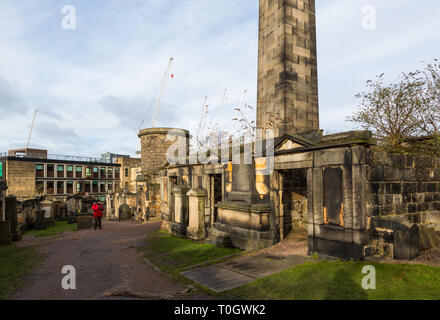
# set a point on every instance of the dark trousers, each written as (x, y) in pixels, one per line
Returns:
(98, 223)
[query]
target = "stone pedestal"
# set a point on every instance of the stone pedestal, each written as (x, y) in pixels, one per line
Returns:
(196, 229)
(244, 225)
(179, 223)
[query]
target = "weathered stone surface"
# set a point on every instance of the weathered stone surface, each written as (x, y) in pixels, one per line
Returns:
(196, 229)
(85, 222)
(287, 67)
(5, 233)
(428, 237)
(124, 212)
(406, 243)
(11, 216)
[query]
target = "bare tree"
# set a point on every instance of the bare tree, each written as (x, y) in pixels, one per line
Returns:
(404, 109)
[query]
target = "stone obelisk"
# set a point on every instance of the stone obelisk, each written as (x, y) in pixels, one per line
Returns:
(287, 67)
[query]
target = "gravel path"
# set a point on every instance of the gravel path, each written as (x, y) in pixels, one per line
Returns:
(107, 263)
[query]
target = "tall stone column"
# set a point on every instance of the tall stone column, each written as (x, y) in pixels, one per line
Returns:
(287, 67)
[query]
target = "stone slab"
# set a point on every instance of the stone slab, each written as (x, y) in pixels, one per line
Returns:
(238, 272)
(218, 279)
(260, 267)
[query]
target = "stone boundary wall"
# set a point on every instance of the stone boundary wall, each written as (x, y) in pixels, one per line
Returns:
(403, 203)
(402, 185)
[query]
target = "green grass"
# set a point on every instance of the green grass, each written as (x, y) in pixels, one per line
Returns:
(172, 254)
(343, 281)
(59, 228)
(15, 263)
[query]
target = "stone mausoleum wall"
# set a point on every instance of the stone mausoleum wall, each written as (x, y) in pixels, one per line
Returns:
(403, 199)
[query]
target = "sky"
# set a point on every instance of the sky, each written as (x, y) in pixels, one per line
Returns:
(94, 84)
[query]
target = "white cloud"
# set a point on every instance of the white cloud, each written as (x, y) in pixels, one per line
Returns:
(94, 84)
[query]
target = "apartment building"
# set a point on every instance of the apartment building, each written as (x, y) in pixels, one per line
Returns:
(30, 173)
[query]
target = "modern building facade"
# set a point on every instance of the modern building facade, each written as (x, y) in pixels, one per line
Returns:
(36, 174)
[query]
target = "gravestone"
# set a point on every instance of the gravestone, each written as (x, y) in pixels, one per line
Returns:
(11, 216)
(49, 212)
(5, 233)
(406, 243)
(85, 222)
(40, 221)
(124, 212)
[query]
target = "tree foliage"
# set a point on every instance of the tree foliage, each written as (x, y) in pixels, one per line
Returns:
(398, 112)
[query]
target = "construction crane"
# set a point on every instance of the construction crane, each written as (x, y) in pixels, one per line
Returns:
(214, 126)
(202, 121)
(162, 91)
(32, 128)
(159, 94)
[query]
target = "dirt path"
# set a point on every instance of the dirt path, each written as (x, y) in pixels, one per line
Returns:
(107, 263)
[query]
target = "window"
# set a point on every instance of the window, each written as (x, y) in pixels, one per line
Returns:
(95, 187)
(103, 187)
(95, 173)
(102, 170)
(79, 170)
(50, 187)
(39, 187)
(126, 172)
(69, 170)
(40, 170)
(110, 173)
(60, 171)
(88, 172)
(117, 173)
(50, 171)
(69, 187)
(78, 187)
(110, 187)
(60, 187)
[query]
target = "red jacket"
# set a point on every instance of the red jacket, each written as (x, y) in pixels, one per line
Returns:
(97, 210)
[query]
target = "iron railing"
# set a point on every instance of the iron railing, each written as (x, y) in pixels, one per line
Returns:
(58, 157)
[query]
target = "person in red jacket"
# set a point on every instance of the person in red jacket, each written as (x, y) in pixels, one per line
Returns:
(97, 214)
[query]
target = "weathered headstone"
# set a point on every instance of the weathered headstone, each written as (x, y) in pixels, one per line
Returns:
(124, 212)
(85, 222)
(11, 215)
(5, 233)
(428, 237)
(406, 243)
(49, 212)
(40, 221)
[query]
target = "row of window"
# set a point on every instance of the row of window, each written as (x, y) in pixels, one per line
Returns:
(70, 187)
(70, 171)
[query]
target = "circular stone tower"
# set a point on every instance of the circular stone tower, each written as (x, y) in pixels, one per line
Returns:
(154, 146)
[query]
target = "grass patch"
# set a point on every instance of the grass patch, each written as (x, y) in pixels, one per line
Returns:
(343, 281)
(59, 228)
(15, 263)
(173, 255)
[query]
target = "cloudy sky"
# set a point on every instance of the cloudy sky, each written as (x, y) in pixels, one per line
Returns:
(93, 84)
